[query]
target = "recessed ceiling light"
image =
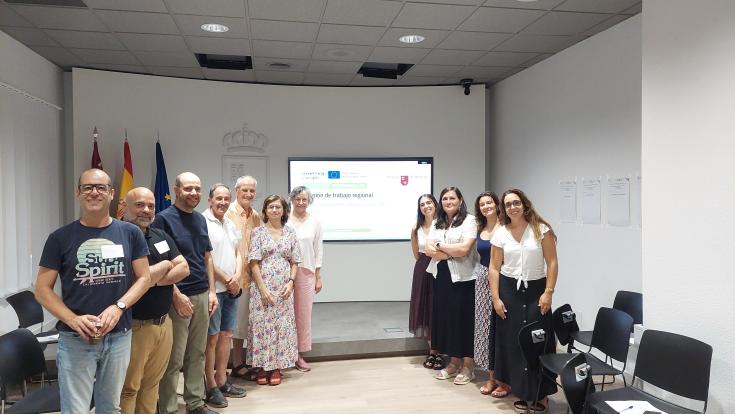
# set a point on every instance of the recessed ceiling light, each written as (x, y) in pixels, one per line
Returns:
(215, 27)
(279, 65)
(412, 39)
(339, 53)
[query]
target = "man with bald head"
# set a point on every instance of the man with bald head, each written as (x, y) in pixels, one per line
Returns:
(152, 331)
(103, 267)
(194, 298)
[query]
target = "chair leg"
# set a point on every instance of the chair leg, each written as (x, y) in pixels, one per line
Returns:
(538, 388)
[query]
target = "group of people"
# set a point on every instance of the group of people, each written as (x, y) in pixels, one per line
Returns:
(476, 282)
(152, 295)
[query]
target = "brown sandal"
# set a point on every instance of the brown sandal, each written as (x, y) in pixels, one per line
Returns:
(262, 377)
(275, 378)
(500, 391)
(489, 387)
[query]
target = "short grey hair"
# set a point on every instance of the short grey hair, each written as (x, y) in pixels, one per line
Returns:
(214, 188)
(240, 181)
(298, 190)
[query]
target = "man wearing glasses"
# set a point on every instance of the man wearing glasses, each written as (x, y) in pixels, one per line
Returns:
(103, 267)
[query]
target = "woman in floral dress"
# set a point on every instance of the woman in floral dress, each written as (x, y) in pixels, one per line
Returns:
(274, 255)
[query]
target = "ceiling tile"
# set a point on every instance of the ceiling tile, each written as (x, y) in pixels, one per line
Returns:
(420, 80)
(279, 77)
(192, 26)
(155, 6)
(564, 23)
(302, 10)
(153, 42)
(59, 56)
(284, 31)
(86, 40)
(433, 37)
(180, 59)
(8, 17)
(538, 58)
(473, 40)
(352, 35)
(434, 70)
(351, 53)
(227, 8)
(323, 66)
(615, 19)
(536, 43)
(363, 81)
(291, 50)
(362, 12)
(597, 6)
(263, 63)
(176, 72)
(515, 4)
(30, 36)
(219, 46)
(138, 22)
(117, 57)
(432, 16)
(451, 57)
(337, 79)
(633, 10)
(504, 58)
(385, 54)
(229, 75)
(483, 73)
(120, 68)
(61, 18)
(489, 19)
(460, 2)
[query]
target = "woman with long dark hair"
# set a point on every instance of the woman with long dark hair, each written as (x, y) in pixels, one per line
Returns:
(451, 246)
(523, 271)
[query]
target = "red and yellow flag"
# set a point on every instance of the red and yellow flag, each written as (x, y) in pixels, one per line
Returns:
(126, 180)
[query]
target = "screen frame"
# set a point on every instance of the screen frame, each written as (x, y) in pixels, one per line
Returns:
(430, 160)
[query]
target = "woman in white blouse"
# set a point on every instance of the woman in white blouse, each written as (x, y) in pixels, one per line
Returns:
(451, 246)
(523, 271)
(308, 277)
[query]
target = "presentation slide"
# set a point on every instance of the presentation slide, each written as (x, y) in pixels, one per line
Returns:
(363, 198)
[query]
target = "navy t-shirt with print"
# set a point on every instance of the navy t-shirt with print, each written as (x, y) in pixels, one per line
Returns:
(95, 266)
(189, 231)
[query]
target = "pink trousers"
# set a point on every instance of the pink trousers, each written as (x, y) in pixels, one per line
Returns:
(303, 299)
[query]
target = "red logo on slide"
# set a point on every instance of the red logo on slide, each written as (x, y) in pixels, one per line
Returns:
(404, 180)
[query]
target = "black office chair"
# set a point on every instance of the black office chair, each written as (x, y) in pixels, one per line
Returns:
(564, 321)
(628, 302)
(674, 363)
(30, 313)
(537, 340)
(22, 358)
(576, 382)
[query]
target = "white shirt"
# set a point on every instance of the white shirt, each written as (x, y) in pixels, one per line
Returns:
(522, 260)
(461, 268)
(309, 234)
(421, 239)
(224, 237)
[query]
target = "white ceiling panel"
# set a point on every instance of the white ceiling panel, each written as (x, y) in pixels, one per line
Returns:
(615, 19)
(181, 59)
(155, 6)
(387, 54)
(61, 18)
(452, 57)
(434, 70)
(86, 40)
(432, 16)
(30, 36)
(536, 43)
(360, 80)
(58, 55)
(263, 63)
(473, 40)
(634, 10)
(597, 6)
(220, 46)
(228, 8)
(192, 25)
(564, 23)
(433, 37)
(351, 53)
(138, 22)
(361, 12)
(490, 19)
(515, 4)
(483, 73)
(289, 50)
(153, 42)
(324, 66)
(284, 31)
(121, 68)
(116, 57)
(300, 11)
(407, 80)
(337, 79)
(176, 72)
(534, 60)
(504, 59)
(351, 35)
(279, 77)
(8, 17)
(229, 75)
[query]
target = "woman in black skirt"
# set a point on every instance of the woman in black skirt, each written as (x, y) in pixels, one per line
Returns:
(451, 246)
(419, 316)
(523, 271)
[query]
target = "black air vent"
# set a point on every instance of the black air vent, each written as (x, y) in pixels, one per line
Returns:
(231, 62)
(383, 70)
(64, 3)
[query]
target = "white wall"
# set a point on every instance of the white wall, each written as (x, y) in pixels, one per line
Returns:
(30, 165)
(689, 178)
(193, 116)
(576, 114)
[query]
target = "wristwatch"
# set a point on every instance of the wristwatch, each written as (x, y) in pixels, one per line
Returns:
(550, 290)
(120, 304)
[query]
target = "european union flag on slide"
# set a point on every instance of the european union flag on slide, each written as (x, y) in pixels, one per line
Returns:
(161, 191)
(333, 175)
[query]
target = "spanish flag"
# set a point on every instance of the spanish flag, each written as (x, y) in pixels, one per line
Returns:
(126, 180)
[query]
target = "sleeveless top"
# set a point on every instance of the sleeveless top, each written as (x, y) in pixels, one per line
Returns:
(421, 237)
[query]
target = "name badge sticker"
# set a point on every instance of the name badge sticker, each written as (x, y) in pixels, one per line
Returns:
(162, 247)
(112, 251)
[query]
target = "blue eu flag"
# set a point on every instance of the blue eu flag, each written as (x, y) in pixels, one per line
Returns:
(161, 192)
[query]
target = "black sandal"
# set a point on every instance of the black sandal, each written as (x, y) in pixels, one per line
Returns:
(522, 407)
(235, 373)
(430, 361)
(439, 363)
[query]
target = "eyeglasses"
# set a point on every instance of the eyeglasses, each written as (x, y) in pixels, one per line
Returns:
(101, 188)
(514, 203)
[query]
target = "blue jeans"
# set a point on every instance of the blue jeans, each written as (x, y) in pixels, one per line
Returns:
(224, 317)
(84, 368)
